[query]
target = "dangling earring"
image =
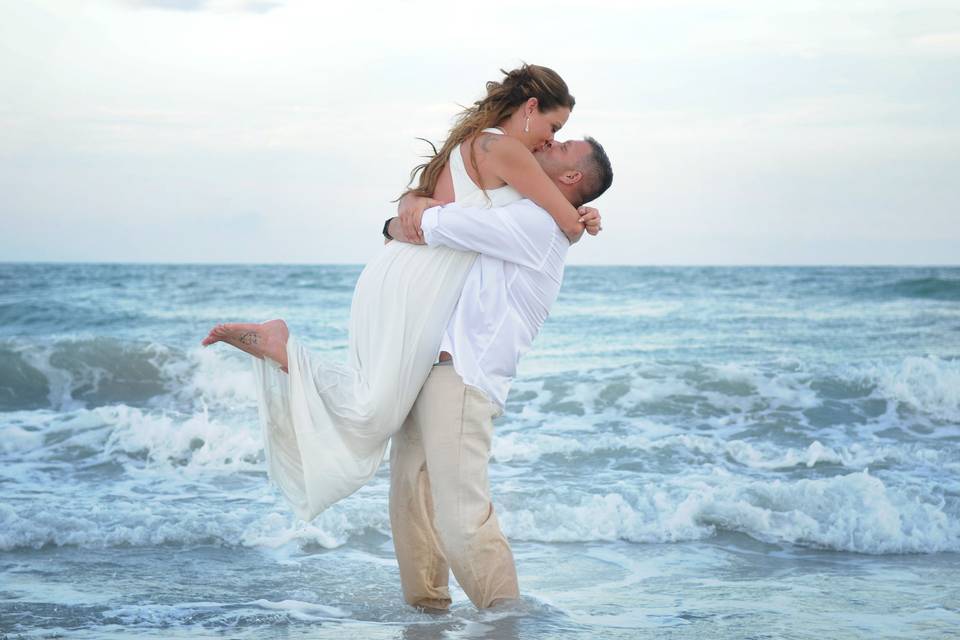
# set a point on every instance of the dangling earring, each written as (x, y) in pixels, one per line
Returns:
(526, 127)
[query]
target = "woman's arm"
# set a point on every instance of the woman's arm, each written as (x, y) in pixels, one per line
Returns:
(514, 164)
(411, 206)
(410, 211)
(409, 230)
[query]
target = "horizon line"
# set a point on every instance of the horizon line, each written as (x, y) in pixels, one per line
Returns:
(602, 265)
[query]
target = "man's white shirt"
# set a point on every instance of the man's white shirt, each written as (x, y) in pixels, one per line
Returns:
(508, 292)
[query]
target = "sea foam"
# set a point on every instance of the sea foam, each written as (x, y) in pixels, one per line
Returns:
(857, 512)
(929, 384)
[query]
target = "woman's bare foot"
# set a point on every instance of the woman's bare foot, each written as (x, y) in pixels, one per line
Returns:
(266, 339)
(243, 336)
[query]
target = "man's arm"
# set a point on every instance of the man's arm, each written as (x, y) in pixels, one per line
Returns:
(520, 232)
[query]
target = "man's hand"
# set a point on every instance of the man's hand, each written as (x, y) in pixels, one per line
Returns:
(410, 210)
(590, 218)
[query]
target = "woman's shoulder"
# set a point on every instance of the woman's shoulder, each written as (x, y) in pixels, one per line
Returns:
(496, 144)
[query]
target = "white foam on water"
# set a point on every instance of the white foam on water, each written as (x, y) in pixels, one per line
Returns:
(520, 446)
(645, 390)
(152, 615)
(155, 509)
(857, 455)
(779, 389)
(154, 522)
(470, 629)
(930, 385)
(331, 529)
(78, 368)
(15, 438)
(173, 456)
(121, 524)
(60, 382)
(305, 611)
(216, 378)
(614, 392)
(603, 517)
(856, 512)
(529, 445)
(196, 443)
(26, 586)
(136, 438)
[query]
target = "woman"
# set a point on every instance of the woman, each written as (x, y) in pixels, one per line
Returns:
(326, 426)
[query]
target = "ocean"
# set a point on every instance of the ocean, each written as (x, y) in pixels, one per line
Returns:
(689, 452)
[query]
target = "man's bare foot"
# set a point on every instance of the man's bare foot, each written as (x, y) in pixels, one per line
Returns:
(266, 339)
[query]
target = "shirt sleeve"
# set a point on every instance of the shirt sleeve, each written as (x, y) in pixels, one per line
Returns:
(520, 232)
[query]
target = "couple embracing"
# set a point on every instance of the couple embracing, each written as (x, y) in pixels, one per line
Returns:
(438, 322)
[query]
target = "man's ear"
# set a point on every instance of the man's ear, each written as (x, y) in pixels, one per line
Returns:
(571, 177)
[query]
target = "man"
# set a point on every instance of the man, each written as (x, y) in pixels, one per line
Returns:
(440, 509)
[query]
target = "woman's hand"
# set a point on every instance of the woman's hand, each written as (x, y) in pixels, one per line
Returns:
(410, 210)
(590, 218)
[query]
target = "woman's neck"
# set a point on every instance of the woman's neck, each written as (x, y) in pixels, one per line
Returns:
(512, 127)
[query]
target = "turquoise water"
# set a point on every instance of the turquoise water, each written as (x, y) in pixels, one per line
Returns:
(687, 453)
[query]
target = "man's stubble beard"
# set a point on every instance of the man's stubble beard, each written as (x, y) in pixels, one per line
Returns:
(549, 168)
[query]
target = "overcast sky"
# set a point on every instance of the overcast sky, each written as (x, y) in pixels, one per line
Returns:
(741, 132)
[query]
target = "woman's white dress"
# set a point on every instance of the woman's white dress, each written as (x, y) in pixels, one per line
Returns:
(326, 425)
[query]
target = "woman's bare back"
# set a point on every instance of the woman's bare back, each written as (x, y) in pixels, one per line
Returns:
(483, 175)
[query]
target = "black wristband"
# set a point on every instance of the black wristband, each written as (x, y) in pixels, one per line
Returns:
(386, 229)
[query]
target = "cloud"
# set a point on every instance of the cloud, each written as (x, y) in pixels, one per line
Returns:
(223, 6)
(173, 5)
(938, 43)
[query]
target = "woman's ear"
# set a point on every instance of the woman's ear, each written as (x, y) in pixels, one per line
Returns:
(531, 105)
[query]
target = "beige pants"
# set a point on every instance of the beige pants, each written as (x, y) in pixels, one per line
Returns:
(440, 509)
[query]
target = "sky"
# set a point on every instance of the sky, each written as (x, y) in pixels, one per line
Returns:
(740, 132)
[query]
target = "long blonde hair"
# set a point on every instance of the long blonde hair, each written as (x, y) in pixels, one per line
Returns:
(502, 99)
